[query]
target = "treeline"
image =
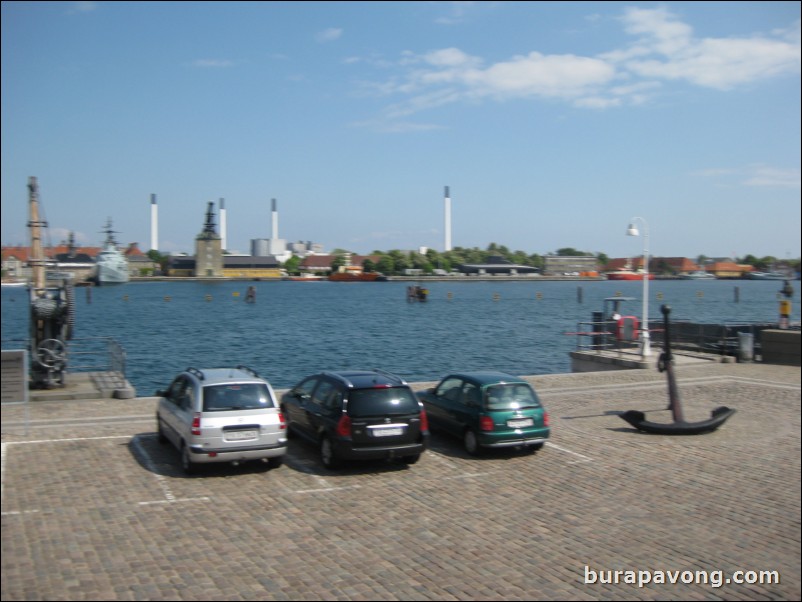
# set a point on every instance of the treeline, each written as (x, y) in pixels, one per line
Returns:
(395, 262)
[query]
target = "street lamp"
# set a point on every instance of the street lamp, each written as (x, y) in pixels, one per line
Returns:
(632, 230)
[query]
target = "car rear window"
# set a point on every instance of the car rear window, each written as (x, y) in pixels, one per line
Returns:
(511, 397)
(224, 398)
(382, 402)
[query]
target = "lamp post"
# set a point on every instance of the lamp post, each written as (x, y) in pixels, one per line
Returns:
(632, 230)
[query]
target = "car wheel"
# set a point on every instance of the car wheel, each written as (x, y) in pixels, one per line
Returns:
(327, 454)
(471, 443)
(186, 461)
(162, 437)
(410, 459)
(535, 447)
(275, 462)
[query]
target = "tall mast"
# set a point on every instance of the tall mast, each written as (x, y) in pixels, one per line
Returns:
(37, 259)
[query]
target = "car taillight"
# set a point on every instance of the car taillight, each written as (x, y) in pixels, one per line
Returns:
(424, 421)
(344, 426)
(486, 423)
(196, 424)
(545, 419)
(282, 422)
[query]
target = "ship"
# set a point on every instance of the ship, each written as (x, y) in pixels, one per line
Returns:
(112, 266)
(356, 274)
(697, 275)
(305, 277)
(627, 273)
(767, 276)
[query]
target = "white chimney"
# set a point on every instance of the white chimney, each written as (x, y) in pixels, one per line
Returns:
(154, 223)
(223, 224)
(275, 220)
(447, 244)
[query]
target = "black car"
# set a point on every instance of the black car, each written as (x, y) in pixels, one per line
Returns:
(357, 415)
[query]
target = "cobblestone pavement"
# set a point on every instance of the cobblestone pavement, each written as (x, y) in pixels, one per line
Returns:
(93, 508)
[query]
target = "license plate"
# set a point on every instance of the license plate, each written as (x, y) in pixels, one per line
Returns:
(391, 432)
(240, 435)
(517, 424)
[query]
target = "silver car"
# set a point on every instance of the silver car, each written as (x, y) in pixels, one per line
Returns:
(222, 415)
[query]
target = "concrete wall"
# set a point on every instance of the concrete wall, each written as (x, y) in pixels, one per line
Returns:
(781, 347)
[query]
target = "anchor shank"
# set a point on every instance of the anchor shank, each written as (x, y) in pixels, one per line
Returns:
(667, 362)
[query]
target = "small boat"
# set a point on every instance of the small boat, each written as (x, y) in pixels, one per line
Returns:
(355, 274)
(698, 275)
(627, 273)
(307, 277)
(112, 266)
(767, 276)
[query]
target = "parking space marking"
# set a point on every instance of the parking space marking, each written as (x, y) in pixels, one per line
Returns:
(18, 512)
(302, 466)
(573, 453)
(5, 444)
(169, 497)
(327, 489)
(471, 475)
(51, 423)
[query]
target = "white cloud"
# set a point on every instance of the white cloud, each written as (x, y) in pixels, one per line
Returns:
(668, 50)
(457, 12)
(773, 177)
(536, 74)
(85, 6)
(212, 63)
(755, 175)
(329, 35)
(665, 50)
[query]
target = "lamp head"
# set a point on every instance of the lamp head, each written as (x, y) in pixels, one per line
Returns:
(632, 230)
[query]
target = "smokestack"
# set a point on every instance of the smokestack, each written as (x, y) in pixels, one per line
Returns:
(447, 244)
(223, 224)
(275, 220)
(154, 223)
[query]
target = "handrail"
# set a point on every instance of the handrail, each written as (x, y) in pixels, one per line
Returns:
(86, 354)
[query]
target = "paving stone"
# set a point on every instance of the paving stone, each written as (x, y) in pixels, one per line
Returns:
(94, 508)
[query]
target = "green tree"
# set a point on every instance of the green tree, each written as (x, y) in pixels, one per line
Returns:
(337, 262)
(292, 265)
(159, 258)
(570, 252)
(386, 265)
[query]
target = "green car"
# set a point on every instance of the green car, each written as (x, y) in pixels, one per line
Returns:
(487, 409)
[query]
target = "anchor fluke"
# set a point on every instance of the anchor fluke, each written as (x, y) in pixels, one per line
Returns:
(717, 418)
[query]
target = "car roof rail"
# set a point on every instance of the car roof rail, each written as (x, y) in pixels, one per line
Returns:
(196, 372)
(339, 377)
(391, 376)
(250, 371)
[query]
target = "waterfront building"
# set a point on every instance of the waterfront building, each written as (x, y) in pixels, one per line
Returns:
(570, 264)
(209, 249)
(496, 265)
(319, 264)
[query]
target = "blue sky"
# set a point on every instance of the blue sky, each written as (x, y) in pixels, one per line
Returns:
(553, 124)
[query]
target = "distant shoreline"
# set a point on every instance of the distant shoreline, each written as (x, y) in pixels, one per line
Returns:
(418, 279)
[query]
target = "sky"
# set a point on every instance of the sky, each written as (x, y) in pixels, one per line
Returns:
(553, 124)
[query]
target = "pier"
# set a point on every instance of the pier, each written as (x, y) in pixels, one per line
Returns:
(94, 508)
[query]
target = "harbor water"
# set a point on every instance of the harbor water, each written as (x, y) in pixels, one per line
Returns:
(294, 329)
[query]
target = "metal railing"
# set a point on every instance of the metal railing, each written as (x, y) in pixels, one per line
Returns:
(722, 339)
(91, 354)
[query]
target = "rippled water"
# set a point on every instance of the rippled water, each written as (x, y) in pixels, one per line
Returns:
(296, 328)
